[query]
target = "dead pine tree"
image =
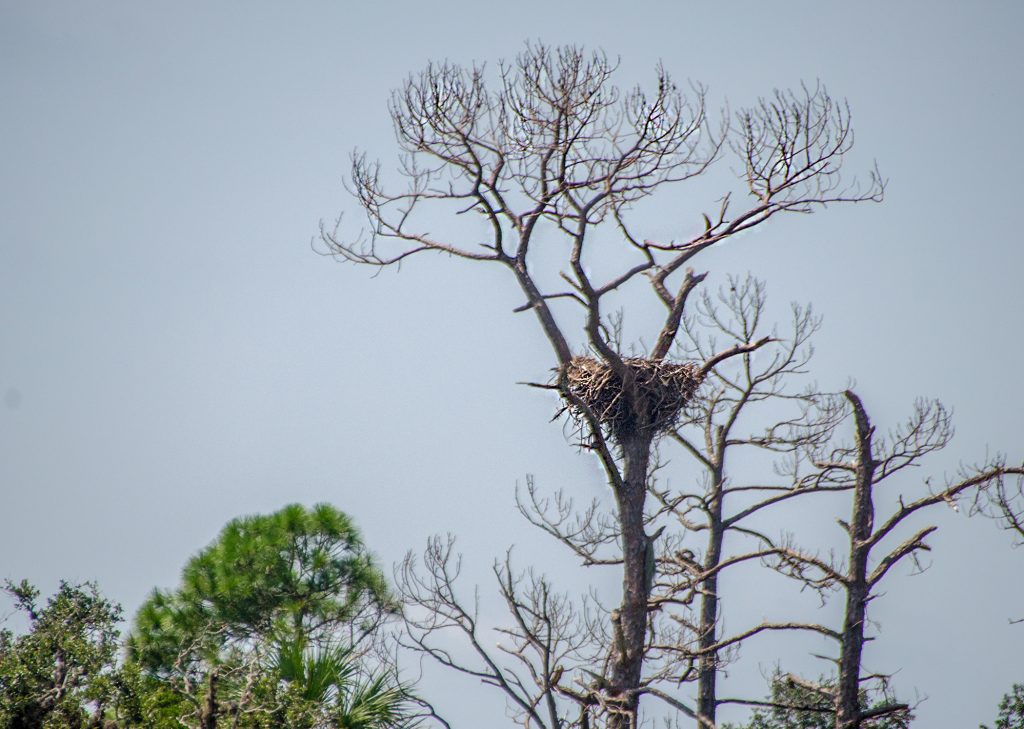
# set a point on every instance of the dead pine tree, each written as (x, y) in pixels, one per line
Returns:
(746, 406)
(877, 543)
(550, 150)
(710, 524)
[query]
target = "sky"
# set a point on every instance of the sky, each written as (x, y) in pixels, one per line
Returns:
(174, 352)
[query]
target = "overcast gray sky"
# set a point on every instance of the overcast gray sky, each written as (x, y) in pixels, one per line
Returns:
(174, 354)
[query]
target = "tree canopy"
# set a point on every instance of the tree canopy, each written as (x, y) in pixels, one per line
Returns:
(296, 572)
(271, 626)
(1011, 709)
(62, 669)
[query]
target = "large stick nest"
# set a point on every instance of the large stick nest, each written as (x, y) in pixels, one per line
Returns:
(660, 392)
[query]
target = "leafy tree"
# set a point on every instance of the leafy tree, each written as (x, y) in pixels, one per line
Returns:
(298, 571)
(327, 688)
(62, 671)
(270, 626)
(1011, 710)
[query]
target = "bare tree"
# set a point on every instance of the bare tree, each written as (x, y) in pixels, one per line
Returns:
(875, 545)
(555, 151)
(724, 425)
(870, 462)
(565, 655)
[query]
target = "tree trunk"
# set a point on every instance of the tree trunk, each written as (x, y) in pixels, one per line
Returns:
(629, 622)
(848, 693)
(707, 666)
(208, 714)
(848, 714)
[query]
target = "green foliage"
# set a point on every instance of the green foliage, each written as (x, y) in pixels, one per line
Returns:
(1011, 710)
(326, 687)
(62, 671)
(264, 632)
(265, 629)
(295, 572)
(374, 703)
(796, 706)
(147, 702)
(316, 674)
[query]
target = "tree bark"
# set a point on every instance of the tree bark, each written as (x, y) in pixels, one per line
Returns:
(848, 713)
(629, 625)
(208, 714)
(707, 666)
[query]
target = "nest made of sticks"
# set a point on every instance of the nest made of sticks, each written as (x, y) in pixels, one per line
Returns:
(661, 391)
